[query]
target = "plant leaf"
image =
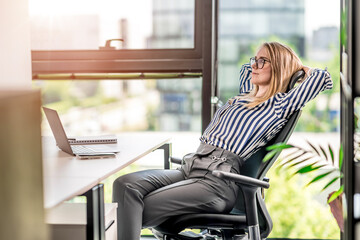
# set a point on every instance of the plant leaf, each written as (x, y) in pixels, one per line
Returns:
(330, 182)
(284, 162)
(324, 153)
(312, 146)
(341, 157)
(302, 161)
(279, 146)
(305, 169)
(332, 155)
(319, 177)
(336, 194)
(274, 149)
(308, 168)
(269, 155)
(293, 156)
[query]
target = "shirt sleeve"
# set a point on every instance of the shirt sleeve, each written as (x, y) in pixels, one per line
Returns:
(287, 103)
(245, 84)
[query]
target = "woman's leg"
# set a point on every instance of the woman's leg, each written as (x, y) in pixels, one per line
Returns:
(129, 191)
(210, 195)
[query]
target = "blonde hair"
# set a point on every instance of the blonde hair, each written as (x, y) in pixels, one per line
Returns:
(284, 63)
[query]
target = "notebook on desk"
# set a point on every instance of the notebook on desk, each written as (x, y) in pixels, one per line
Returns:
(94, 145)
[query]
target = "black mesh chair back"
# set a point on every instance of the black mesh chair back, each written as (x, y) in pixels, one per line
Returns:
(256, 167)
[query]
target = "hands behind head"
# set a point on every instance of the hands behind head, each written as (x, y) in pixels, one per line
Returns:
(306, 70)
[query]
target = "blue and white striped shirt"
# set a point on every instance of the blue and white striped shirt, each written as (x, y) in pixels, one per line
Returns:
(243, 130)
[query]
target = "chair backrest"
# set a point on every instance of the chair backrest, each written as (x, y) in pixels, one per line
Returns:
(254, 166)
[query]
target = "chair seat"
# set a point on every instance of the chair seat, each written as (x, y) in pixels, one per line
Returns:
(202, 220)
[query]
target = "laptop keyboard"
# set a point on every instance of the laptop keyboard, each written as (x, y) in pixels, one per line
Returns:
(79, 149)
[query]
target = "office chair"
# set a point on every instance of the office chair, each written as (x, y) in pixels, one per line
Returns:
(249, 219)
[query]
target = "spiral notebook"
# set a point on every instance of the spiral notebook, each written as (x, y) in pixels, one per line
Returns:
(79, 145)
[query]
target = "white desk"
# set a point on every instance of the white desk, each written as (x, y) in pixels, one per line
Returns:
(65, 176)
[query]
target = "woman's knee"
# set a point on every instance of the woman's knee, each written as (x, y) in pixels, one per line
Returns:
(140, 180)
(144, 182)
(123, 182)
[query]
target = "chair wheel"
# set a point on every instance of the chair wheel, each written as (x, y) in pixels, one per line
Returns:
(241, 237)
(236, 237)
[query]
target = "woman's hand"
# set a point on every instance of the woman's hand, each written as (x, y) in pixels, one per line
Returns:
(307, 70)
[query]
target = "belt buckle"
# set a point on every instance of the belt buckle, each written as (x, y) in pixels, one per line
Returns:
(221, 159)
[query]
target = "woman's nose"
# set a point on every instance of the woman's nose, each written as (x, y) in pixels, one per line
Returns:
(254, 65)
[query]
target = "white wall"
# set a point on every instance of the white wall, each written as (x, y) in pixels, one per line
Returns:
(15, 53)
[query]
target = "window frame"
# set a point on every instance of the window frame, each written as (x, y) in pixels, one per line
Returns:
(124, 60)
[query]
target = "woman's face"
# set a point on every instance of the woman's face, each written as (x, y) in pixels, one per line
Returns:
(261, 77)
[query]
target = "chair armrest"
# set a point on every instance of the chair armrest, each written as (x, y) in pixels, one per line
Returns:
(249, 187)
(176, 160)
(241, 179)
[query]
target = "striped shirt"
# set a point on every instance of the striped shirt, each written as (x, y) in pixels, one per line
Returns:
(243, 130)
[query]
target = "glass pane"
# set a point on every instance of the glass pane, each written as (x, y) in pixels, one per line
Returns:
(243, 26)
(87, 24)
(313, 34)
(114, 106)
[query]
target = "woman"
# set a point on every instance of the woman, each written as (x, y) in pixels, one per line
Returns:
(239, 128)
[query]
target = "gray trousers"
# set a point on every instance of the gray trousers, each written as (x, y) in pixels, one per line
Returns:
(147, 198)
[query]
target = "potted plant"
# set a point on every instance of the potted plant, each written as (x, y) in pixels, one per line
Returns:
(320, 162)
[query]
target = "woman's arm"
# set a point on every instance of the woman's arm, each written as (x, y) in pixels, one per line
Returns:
(245, 84)
(317, 80)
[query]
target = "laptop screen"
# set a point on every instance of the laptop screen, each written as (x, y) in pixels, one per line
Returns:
(58, 130)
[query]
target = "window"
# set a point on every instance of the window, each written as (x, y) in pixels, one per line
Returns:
(92, 107)
(180, 44)
(65, 25)
(243, 26)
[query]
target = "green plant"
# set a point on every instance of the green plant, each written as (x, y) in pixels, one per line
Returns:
(315, 160)
(297, 214)
(306, 161)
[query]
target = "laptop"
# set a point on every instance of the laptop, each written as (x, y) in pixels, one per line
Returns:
(62, 140)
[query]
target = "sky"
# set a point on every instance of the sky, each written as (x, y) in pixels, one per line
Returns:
(321, 13)
(135, 11)
(318, 13)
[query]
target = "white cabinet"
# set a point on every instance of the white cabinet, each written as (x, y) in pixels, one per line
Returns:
(68, 221)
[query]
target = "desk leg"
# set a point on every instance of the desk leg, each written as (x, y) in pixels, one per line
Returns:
(95, 227)
(167, 154)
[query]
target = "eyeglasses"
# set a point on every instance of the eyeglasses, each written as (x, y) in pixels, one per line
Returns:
(259, 62)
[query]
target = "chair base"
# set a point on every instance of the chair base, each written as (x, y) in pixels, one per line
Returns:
(212, 235)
